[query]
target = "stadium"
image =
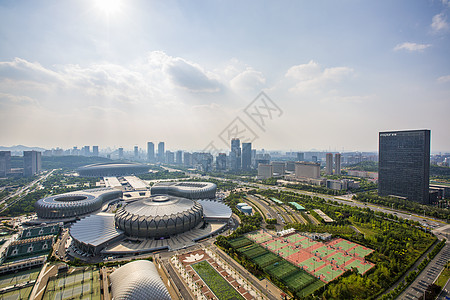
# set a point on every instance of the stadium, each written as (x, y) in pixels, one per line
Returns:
(160, 221)
(190, 190)
(112, 169)
(159, 216)
(74, 204)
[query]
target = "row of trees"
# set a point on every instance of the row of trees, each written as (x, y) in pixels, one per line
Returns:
(372, 197)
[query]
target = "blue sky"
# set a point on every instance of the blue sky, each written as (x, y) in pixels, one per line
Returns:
(121, 73)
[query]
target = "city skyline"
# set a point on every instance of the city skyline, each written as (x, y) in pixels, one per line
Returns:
(339, 72)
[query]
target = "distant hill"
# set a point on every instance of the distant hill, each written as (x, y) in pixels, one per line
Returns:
(21, 148)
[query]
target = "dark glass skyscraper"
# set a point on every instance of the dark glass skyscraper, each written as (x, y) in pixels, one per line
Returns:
(246, 156)
(235, 154)
(150, 152)
(161, 152)
(404, 164)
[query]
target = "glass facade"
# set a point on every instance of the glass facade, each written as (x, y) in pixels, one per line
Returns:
(404, 164)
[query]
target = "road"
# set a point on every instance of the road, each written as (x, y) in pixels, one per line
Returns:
(23, 191)
(427, 276)
(405, 215)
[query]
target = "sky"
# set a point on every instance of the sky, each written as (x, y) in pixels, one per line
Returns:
(285, 75)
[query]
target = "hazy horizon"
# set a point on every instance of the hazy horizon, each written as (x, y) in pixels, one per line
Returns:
(122, 73)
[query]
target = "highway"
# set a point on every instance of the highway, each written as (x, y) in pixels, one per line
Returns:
(23, 191)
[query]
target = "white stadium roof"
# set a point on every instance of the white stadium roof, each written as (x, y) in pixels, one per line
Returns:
(138, 280)
(215, 210)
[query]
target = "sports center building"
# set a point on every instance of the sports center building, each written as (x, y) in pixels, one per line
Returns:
(190, 190)
(113, 169)
(74, 204)
(161, 221)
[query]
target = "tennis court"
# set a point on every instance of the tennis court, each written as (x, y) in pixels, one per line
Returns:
(287, 251)
(275, 245)
(266, 259)
(344, 245)
(312, 264)
(359, 250)
(281, 269)
(300, 280)
(240, 242)
(361, 266)
(323, 251)
(328, 273)
(260, 237)
(83, 283)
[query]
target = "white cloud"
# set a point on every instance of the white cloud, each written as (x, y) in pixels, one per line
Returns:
(411, 47)
(444, 79)
(8, 99)
(313, 77)
(248, 80)
(439, 23)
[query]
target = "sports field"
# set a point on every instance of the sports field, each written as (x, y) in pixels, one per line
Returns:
(218, 285)
(83, 283)
(324, 260)
(19, 278)
(296, 279)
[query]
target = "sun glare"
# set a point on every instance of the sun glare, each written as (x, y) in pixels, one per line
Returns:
(109, 7)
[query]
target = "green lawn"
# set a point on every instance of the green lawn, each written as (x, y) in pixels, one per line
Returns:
(445, 275)
(218, 285)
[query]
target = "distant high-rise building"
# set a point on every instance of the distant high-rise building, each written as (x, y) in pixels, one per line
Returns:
(404, 164)
(136, 152)
(307, 170)
(94, 150)
(179, 157)
(86, 151)
(187, 159)
(150, 152)
(75, 151)
(31, 162)
(221, 162)
(235, 154)
(337, 164)
(246, 156)
(264, 171)
(161, 152)
(290, 166)
(314, 158)
(5, 163)
(253, 158)
(120, 153)
(300, 156)
(278, 167)
(170, 157)
(329, 164)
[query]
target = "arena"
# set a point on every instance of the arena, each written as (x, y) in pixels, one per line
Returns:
(75, 204)
(112, 169)
(159, 216)
(190, 190)
(146, 224)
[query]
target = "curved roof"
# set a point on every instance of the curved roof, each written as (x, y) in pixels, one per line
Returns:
(95, 230)
(74, 203)
(113, 169)
(159, 206)
(138, 280)
(187, 189)
(111, 165)
(215, 210)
